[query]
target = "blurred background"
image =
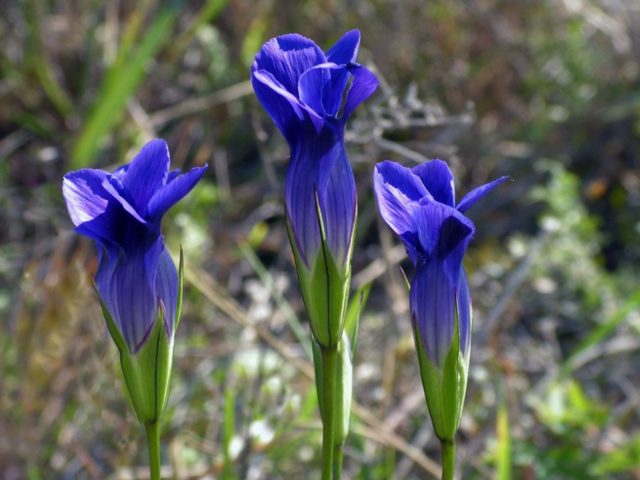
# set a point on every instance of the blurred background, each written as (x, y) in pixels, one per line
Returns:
(546, 91)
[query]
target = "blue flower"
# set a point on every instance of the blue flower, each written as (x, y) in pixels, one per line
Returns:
(310, 95)
(122, 211)
(419, 206)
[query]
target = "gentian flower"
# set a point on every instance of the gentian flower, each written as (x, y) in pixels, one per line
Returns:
(310, 95)
(136, 281)
(419, 206)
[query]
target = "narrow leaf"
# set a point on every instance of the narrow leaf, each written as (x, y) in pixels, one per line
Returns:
(504, 443)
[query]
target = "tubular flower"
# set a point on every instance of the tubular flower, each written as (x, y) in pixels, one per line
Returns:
(310, 95)
(136, 281)
(419, 206)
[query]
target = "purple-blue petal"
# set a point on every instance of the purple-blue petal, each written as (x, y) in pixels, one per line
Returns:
(120, 194)
(455, 234)
(438, 180)
(173, 192)
(476, 194)
(287, 57)
(120, 172)
(282, 106)
(412, 246)
(173, 174)
(319, 173)
(333, 91)
(147, 173)
(456, 231)
(433, 307)
(300, 194)
(443, 232)
(88, 202)
(310, 86)
(98, 210)
(322, 88)
(363, 84)
(337, 198)
(109, 257)
(464, 313)
(126, 282)
(345, 50)
(397, 191)
(167, 290)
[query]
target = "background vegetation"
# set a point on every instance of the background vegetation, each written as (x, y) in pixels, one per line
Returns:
(545, 91)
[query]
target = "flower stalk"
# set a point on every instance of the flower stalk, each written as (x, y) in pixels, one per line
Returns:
(329, 446)
(153, 444)
(448, 448)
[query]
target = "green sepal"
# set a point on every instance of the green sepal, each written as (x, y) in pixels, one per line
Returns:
(407, 283)
(344, 390)
(444, 386)
(147, 373)
(325, 287)
(176, 323)
(354, 309)
(344, 386)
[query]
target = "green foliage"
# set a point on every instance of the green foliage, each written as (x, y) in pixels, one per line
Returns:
(572, 417)
(567, 410)
(572, 234)
(121, 81)
(623, 458)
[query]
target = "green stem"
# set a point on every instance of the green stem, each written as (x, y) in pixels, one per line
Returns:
(337, 462)
(448, 458)
(329, 366)
(153, 442)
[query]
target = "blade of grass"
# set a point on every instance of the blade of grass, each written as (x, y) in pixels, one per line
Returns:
(130, 34)
(503, 448)
(120, 84)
